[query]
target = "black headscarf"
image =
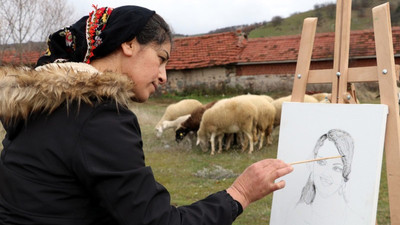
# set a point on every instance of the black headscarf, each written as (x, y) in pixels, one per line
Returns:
(96, 35)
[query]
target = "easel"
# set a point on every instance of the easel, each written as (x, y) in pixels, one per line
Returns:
(342, 78)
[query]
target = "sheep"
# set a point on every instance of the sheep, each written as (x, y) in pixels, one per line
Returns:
(168, 124)
(173, 111)
(192, 123)
(265, 116)
(278, 105)
(228, 116)
(270, 99)
(327, 99)
(321, 96)
(265, 120)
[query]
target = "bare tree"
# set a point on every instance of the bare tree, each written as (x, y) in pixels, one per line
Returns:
(25, 21)
(59, 14)
(5, 37)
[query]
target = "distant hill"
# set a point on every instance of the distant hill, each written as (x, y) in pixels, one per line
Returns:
(361, 18)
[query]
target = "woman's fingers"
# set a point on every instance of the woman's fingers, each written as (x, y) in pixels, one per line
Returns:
(280, 172)
(278, 185)
(258, 180)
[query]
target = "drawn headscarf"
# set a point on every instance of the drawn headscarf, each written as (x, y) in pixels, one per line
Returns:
(96, 35)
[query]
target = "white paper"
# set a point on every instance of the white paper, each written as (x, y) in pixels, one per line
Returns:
(334, 201)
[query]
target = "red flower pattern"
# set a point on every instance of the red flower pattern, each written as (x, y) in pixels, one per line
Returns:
(95, 25)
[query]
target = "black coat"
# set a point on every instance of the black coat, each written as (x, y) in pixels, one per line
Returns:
(84, 164)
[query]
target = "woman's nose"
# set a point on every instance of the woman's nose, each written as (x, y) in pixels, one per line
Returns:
(162, 77)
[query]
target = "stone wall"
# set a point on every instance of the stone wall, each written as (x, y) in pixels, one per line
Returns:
(180, 80)
(220, 78)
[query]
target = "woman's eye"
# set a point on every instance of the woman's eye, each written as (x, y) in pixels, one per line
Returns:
(337, 169)
(162, 59)
(321, 163)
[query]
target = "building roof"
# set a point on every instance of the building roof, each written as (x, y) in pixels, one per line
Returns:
(206, 50)
(12, 57)
(233, 48)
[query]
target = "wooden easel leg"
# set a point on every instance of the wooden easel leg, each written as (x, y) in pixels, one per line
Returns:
(304, 59)
(388, 93)
(342, 49)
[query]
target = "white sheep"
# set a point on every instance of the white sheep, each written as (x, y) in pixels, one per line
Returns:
(168, 124)
(228, 116)
(173, 111)
(269, 98)
(265, 117)
(327, 99)
(322, 96)
(277, 103)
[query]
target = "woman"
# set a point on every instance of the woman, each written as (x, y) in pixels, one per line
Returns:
(73, 150)
(323, 198)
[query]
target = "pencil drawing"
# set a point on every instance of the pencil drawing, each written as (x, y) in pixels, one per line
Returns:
(323, 196)
(325, 177)
(337, 160)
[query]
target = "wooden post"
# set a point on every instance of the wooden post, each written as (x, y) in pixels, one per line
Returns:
(388, 93)
(304, 59)
(341, 54)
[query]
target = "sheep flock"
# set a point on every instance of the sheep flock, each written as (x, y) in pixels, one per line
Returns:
(247, 120)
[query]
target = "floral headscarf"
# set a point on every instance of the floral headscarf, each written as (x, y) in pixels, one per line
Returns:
(96, 35)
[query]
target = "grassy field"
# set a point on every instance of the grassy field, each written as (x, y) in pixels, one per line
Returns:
(190, 174)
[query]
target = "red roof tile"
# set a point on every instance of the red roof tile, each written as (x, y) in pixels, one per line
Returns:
(226, 48)
(205, 51)
(362, 44)
(13, 57)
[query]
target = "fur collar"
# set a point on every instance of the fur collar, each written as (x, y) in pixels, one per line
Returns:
(24, 91)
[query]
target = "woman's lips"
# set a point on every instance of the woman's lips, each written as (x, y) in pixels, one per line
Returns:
(325, 181)
(155, 86)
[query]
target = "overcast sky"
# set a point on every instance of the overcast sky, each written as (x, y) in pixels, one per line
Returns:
(201, 16)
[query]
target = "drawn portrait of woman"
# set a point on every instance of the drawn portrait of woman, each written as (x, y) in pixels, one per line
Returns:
(342, 189)
(323, 197)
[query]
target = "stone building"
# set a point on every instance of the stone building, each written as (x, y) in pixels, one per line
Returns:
(259, 65)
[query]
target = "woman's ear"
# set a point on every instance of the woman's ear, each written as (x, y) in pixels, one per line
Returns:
(129, 47)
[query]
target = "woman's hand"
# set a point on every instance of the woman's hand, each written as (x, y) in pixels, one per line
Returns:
(258, 180)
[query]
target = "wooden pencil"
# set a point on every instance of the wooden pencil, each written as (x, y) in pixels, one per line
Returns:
(313, 160)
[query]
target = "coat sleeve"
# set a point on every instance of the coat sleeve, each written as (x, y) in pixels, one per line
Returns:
(111, 165)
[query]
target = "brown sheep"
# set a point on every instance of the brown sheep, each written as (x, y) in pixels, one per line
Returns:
(192, 123)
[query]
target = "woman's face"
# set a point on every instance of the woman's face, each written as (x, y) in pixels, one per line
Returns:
(328, 174)
(146, 67)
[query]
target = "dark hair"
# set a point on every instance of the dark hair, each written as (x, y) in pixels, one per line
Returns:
(156, 30)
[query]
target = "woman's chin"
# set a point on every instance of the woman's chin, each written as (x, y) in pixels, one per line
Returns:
(140, 99)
